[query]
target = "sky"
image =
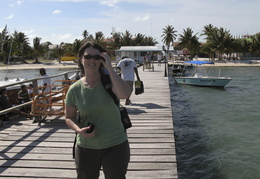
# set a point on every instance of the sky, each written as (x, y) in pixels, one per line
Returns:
(59, 21)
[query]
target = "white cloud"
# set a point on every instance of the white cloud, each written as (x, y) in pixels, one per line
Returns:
(29, 31)
(62, 36)
(109, 3)
(57, 12)
(19, 2)
(11, 5)
(65, 36)
(143, 18)
(10, 17)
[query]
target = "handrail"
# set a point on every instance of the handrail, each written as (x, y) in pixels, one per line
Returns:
(53, 76)
(5, 111)
(35, 84)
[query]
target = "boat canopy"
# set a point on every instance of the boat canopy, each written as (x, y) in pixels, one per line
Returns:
(199, 62)
(143, 49)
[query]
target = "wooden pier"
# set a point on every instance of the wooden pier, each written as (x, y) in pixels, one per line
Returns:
(28, 151)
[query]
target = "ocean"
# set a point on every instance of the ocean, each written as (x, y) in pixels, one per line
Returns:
(217, 131)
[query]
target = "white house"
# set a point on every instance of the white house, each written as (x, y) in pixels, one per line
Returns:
(138, 52)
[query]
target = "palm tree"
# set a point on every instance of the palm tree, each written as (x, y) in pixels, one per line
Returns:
(256, 43)
(7, 51)
(21, 45)
(60, 51)
(149, 41)
(139, 39)
(5, 44)
(75, 47)
(115, 41)
(221, 41)
(85, 34)
(126, 39)
(189, 41)
(169, 35)
(38, 49)
(244, 44)
(208, 31)
(99, 38)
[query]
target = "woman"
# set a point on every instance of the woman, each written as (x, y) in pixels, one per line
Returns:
(107, 144)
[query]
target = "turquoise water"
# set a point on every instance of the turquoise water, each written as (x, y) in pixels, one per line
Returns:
(218, 130)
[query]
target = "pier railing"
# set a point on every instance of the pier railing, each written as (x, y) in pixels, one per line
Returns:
(70, 75)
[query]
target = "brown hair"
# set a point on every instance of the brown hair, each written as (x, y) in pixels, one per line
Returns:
(83, 47)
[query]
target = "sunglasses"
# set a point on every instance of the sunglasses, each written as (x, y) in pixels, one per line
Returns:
(89, 57)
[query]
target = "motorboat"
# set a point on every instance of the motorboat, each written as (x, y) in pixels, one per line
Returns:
(179, 68)
(14, 85)
(12, 81)
(197, 79)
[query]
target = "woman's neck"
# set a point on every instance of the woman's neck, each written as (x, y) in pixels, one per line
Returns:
(91, 80)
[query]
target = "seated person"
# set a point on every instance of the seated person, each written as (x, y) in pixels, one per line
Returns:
(5, 104)
(30, 91)
(23, 95)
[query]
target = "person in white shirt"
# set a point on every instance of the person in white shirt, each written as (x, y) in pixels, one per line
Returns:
(45, 82)
(128, 69)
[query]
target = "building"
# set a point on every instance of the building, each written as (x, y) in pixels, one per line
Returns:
(138, 52)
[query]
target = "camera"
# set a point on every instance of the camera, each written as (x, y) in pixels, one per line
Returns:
(92, 127)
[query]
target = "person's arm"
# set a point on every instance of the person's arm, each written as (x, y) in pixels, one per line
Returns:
(119, 68)
(44, 87)
(19, 96)
(30, 94)
(119, 86)
(72, 123)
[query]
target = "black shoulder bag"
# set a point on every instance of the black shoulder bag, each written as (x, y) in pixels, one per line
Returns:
(105, 79)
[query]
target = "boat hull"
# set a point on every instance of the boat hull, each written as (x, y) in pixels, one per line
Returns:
(12, 91)
(203, 81)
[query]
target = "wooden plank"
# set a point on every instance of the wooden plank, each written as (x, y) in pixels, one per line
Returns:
(29, 151)
(68, 151)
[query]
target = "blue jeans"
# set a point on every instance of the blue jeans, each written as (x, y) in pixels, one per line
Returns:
(114, 161)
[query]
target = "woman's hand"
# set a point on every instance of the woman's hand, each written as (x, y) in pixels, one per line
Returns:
(106, 61)
(83, 132)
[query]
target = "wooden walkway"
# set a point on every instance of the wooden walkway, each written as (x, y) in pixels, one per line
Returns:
(29, 151)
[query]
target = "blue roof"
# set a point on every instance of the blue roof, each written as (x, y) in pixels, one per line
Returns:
(199, 62)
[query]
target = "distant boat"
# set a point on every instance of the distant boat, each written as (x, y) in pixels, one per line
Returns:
(12, 81)
(198, 80)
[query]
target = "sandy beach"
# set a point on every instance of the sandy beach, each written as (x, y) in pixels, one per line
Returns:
(71, 64)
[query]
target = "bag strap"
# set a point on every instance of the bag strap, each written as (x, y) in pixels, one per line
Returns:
(75, 140)
(106, 82)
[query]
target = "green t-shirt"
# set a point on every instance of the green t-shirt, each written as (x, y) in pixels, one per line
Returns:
(96, 106)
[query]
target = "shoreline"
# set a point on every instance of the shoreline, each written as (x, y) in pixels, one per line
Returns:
(70, 64)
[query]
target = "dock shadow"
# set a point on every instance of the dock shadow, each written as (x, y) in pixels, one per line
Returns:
(136, 111)
(149, 105)
(53, 126)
